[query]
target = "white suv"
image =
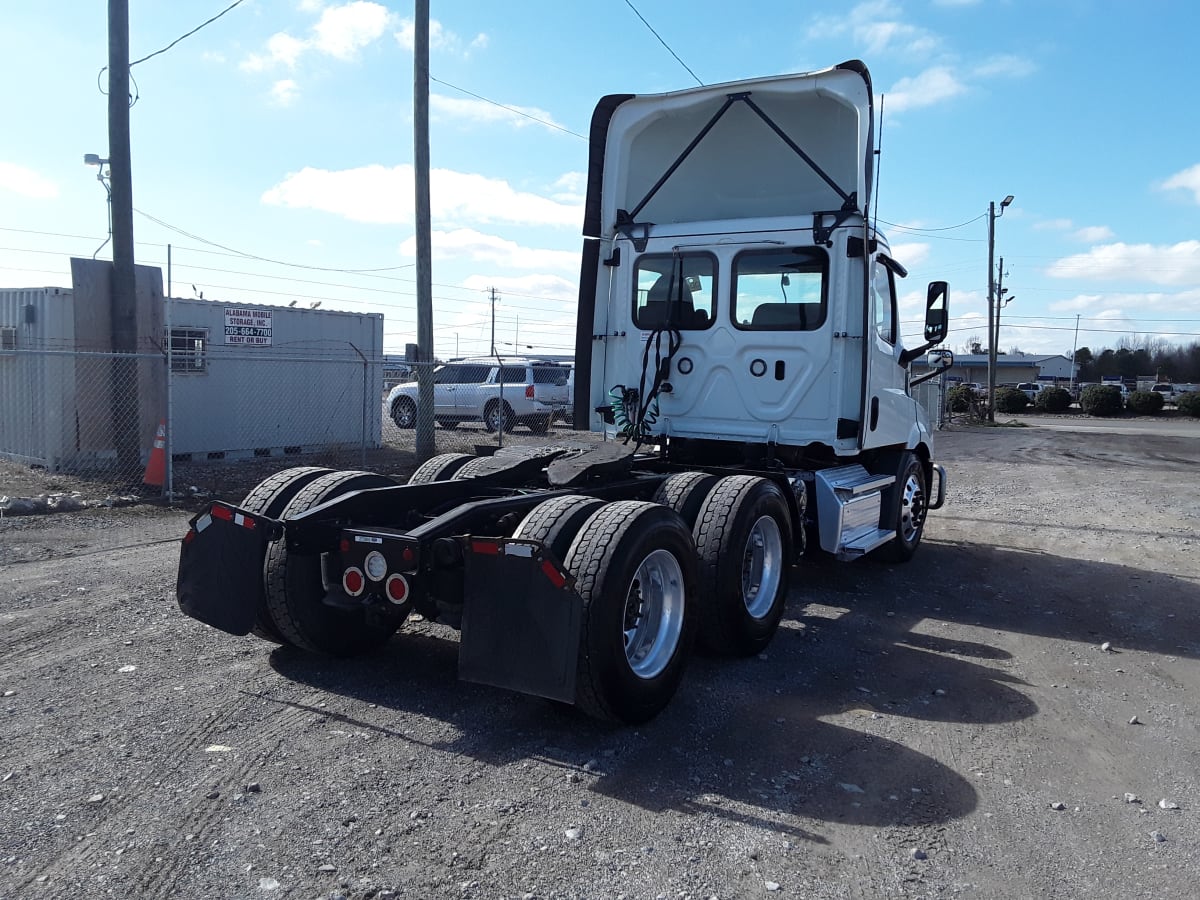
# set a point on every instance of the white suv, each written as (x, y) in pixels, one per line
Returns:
(519, 392)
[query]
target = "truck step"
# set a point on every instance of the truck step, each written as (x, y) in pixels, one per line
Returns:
(848, 510)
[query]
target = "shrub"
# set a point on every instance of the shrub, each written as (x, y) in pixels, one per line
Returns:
(1145, 403)
(1189, 403)
(1101, 400)
(1010, 400)
(1053, 399)
(959, 398)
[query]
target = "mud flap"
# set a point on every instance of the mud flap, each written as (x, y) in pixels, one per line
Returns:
(220, 567)
(521, 619)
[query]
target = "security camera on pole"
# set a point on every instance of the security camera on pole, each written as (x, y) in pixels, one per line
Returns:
(991, 385)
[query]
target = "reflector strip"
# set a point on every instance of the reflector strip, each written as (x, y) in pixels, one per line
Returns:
(225, 514)
(556, 577)
(518, 550)
(491, 548)
(190, 536)
(203, 522)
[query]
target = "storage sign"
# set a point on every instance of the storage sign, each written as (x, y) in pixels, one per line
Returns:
(248, 327)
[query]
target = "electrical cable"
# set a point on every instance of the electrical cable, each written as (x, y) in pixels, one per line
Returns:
(231, 6)
(511, 109)
(664, 43)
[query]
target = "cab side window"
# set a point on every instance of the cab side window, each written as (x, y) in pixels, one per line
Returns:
(885, 303)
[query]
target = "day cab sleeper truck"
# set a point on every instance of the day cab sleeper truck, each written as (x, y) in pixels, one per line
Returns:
(738, 346)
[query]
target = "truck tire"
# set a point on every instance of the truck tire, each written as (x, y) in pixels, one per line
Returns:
(295, 587)
(636, 571)
(269, 498)
(743, 534)
(903, 506)
(685, 492)
(439, 468)
(404, 413)
(471, 468)
(557, 521)
(498, 414)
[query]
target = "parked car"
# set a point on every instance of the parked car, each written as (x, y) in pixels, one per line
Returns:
(521, 392)
(1031, 389)
(1169, 394)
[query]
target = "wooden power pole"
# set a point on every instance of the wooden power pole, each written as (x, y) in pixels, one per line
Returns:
(424, 425)
(122, 286)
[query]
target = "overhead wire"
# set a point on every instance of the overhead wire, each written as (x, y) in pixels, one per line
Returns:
(664, 43)
(207, 22)
(511, 109)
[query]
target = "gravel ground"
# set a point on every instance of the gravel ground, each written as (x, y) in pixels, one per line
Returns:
(960, 725)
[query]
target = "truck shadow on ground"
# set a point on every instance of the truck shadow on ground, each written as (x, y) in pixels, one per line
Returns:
(813, 730)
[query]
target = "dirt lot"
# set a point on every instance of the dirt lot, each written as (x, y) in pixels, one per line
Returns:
(949, 727)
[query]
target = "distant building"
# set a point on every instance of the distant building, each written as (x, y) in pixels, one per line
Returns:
(1011, 368)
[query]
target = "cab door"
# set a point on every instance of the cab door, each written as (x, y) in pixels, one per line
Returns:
(890, 413)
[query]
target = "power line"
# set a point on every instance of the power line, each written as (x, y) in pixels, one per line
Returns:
(265, 259)
(511, 109)
(231, 6)
(944, 228)
(664, 43)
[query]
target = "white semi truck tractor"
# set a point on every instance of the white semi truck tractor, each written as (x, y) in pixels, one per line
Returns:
(738, 346)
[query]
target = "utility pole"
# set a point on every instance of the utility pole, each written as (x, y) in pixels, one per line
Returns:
(1074, 350)
(991, 385)
(1000, 304)
(494, 298)
(425, 447)
(123, 401)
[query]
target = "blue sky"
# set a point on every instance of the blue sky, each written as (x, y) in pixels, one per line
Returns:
(284, 131)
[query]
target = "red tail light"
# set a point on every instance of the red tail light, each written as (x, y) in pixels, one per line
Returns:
(397, 588)
(353, 581)
(529, 392)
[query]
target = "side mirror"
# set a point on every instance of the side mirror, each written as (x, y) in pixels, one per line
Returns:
(937, 312)
(937, 360)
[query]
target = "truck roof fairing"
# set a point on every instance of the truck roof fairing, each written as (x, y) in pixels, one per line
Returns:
(781, 146)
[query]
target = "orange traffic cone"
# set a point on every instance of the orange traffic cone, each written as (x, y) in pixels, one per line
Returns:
(156, 467)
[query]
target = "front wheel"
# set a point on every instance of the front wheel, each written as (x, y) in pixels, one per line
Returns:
(903, 506)
(743, 535)
(498, 415)
(404, 413)
(636, 570)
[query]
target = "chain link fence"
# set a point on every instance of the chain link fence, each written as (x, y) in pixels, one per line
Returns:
(205, 420)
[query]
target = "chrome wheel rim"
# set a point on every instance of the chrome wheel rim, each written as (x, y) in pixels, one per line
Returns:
(762, 567)
(496, 418)
(405, 413)
(912, 508)
(653, 616)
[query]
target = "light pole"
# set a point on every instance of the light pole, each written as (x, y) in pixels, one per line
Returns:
(992, 217)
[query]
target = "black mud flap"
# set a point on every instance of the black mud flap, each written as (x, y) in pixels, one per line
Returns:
(521, 619)
(220, 566)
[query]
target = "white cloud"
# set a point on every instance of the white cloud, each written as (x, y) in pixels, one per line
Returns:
(1174, 264)
(340, 32)
(27, 182)
(876, 27)
(344, 30)
(285, 92)
(382, 195)
(542, 287)
(1004, 65)
(489, 248)
(1092, 234)
(931, 86)
(570, 188)
(910, 255)
(480, 111)
(440, 39)
(1187, 180)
